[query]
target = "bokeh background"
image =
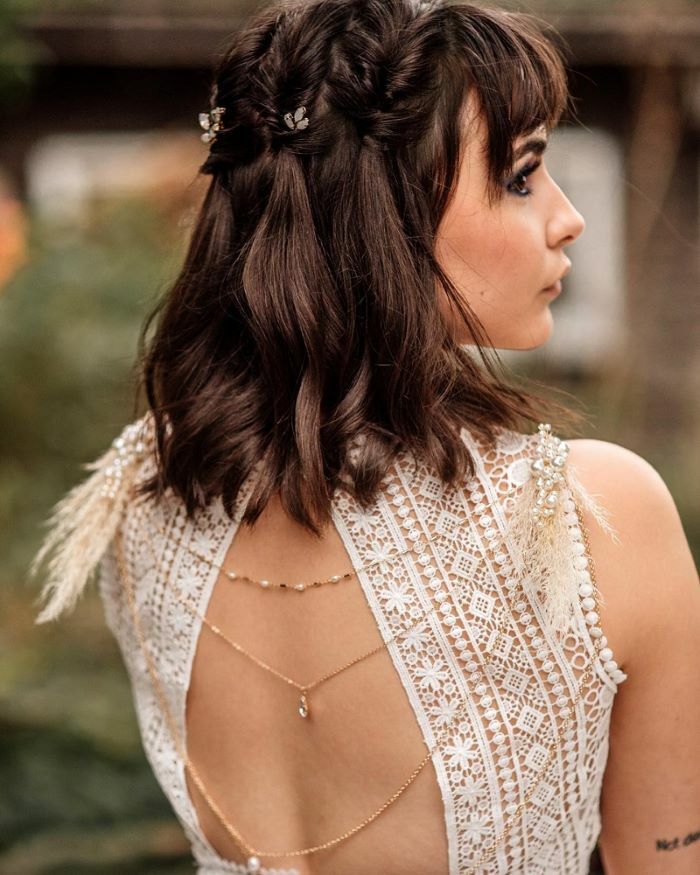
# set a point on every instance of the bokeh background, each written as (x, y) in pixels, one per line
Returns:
(99, 147)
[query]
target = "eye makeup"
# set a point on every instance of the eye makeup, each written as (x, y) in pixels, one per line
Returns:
(516, 183)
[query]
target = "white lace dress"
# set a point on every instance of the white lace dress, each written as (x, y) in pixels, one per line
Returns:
(499, 721)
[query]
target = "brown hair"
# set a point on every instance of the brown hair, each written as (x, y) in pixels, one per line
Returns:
(306, 312)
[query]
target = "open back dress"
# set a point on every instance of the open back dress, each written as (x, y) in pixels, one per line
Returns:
(519, 709)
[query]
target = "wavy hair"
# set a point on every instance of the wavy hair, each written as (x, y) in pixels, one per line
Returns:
(306, 313)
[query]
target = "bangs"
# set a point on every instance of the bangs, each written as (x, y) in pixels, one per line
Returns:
(517, 75)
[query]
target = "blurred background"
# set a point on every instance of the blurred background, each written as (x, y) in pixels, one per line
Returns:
(99, 147)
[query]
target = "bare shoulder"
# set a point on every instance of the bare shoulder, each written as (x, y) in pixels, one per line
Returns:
(622, 475)
(650, 802)
(649, 565)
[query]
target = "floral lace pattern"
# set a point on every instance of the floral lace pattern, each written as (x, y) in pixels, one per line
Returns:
(466, 574)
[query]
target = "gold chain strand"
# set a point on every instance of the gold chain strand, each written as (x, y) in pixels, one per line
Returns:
(304, 689)
(304, 708)
(298, 587)
(235, 835)
(231, 575)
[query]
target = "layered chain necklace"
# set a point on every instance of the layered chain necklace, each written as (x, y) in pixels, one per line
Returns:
(253, 854)
(304, 708)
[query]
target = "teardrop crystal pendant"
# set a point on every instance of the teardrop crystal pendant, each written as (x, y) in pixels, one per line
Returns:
(303, 706)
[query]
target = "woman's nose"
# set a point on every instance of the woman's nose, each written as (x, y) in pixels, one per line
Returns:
(566, 223)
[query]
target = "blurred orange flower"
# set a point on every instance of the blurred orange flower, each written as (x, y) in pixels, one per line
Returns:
(13, 238)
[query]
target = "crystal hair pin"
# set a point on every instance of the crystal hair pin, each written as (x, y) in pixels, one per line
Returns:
(298, 121)
(211, 123)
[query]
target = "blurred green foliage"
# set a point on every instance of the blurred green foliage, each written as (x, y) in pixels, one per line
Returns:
(68, 336)
(76, 786)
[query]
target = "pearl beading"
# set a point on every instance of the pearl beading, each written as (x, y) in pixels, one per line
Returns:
(127, 448)
(589, 593)
(547, 466)
(521, 609)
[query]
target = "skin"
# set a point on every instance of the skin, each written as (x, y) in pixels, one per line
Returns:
(651, 617)
(502, 255)
(280, 787)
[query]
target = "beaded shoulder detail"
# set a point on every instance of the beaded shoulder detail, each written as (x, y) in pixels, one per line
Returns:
(525, 711)
(538, 525)
(83, 522)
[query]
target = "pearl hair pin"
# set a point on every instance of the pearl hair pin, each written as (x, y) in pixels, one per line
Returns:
(211, 123)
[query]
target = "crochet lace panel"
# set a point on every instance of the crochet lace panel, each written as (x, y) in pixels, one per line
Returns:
(500, 720)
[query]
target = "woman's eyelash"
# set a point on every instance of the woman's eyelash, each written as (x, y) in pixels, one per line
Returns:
(516, 184)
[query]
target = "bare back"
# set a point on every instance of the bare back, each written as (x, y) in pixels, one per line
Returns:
(469, 664)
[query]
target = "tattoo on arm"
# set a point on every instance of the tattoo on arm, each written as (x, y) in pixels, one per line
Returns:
(672, 844)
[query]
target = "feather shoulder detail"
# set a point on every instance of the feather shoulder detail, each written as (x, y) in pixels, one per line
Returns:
(83, 523)
(540, 527)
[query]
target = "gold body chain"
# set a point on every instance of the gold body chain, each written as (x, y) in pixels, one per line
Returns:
(304, 708)
(254, 854)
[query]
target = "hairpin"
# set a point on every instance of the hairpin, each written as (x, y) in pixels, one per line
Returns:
(298, 121)
(211, 123)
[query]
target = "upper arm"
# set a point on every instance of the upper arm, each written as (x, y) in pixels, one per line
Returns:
(650, 803)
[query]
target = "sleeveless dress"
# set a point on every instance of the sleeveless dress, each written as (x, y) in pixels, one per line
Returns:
(498, 722)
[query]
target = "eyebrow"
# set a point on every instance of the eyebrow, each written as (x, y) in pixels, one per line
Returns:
(537, 145)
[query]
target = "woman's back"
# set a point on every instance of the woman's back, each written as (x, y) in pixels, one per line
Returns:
(522, 742)
(380, 217)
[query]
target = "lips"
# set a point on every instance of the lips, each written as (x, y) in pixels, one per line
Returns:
(554, 289)
(556, 285)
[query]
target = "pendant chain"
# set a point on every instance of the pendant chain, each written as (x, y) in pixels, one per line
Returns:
(304, 708)
(254, 854)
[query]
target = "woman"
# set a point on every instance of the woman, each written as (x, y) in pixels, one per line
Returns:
(423, 652)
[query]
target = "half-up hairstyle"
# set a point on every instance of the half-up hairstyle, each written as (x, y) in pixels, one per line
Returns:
(306, 313)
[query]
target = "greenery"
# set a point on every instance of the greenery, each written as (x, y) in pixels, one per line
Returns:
(76, 786)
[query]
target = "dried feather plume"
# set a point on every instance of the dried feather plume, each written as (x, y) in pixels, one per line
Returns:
(539, 528)
(84, 521)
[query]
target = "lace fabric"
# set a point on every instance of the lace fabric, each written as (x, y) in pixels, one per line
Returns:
(466, 573)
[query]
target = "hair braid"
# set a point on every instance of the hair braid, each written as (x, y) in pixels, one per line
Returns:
(384, 76)
(306, 311)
